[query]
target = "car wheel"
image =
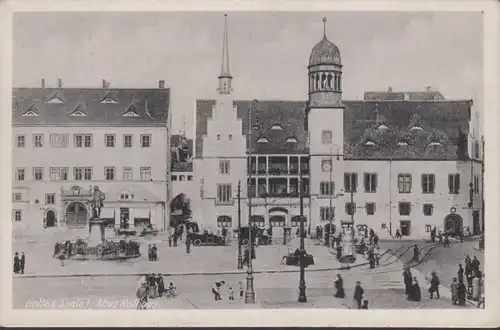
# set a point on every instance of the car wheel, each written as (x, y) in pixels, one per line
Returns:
(197, 242)
(245, 242)
(269, 241)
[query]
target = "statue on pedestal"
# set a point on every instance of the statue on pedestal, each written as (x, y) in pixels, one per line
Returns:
(97, 202)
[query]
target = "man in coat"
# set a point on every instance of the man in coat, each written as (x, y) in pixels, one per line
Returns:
(407, 279)
(22, 262)
(358, 294)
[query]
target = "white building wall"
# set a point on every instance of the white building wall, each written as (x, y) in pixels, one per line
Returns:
(98, 157)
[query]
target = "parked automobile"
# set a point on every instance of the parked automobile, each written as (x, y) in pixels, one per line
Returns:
(206, 238)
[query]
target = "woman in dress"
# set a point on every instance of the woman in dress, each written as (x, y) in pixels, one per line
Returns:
(17, 263)
(339, 287)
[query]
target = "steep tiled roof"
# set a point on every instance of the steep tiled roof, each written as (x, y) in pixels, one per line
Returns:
(143, 107)
(289, 115)
(385, 125)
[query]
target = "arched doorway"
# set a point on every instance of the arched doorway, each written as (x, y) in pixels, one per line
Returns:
(453, 223)
(76, 215)
(277, 220)
(50, 218)
(327, 228)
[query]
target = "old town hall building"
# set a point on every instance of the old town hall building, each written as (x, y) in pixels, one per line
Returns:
(406, 161)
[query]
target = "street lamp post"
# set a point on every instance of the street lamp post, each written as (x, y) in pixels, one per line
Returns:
(302, 281)
(250, 293)
(240, 260)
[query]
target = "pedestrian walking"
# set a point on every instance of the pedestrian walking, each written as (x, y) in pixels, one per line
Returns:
(150, 253)
(339, 287)
(154, 253)
(22, 262)
(17, 263)
(375, 240)
(475, 265)
(398, 234)
(461, 293)
(188, 244)
(242, 291)
(415, 293)
(454, 291)
(416, 253)
(476, 289)
(231, 293)
(160, 284)
(216, 290)
(358, 294)
(446, 242)
(440, 237)
(460, 273)
(175, 239)
(434, 285)
(470, 278)
(407, 280)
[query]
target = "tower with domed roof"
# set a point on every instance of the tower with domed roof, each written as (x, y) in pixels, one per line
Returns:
(325, 125)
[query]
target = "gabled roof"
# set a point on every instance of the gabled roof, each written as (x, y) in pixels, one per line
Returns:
(289, 115)
(416, 123)
(151, 107)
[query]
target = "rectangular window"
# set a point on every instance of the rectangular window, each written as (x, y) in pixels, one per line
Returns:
(127, 141)
(404, 208)
(20, 174)
(404, 183)
(224, 193)
(428, 183)
(190, 178)
(109, 173)
(327, 213)
(82, 140)
(326, 137)
(350, 208)
(17, 197)
(59, 140)
(38, 173)
(370, 182)
(224, 167)
(145, 140)
(326, 188)
(278, 222)
(428, 208)
(350, 182)
(182, 177)
(58, 173)
(127, 174)
(454, 183)
(110, 140)
(145, 173)
(50, 198)
(82, 173)
(296, 222)
(21, 141)
(370, 208)
(173, 178)
(38, 140)
(476, 184)
(224, 222)
(17, 215)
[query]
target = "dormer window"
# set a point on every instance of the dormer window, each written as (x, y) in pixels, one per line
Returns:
(55, 100)
(276, 128)
(31, 112)
(262, 140)
(78, 112)
(402, 143)
(416, 128)
(291, 139)
(383, 127)
(369, 143)
(131, 112)
(124, 196)
(108, 100)
(435, 143)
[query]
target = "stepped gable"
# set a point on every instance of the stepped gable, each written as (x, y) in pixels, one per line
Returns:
(129, 107)
(414, 130)
(372, 129)
(275, 121)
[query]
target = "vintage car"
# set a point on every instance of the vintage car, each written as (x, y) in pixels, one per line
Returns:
(206, 238)
(263, 234)
(293, 259)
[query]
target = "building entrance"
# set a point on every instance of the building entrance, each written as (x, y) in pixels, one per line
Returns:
(453, 223)
(405, 227)
(76, 215)
(50, 218)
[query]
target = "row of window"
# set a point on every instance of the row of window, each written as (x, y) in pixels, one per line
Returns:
(225, 221)
(428, 183)
(181, 177)
(50, 198)
(82, 173)
(328, 213)
(61, 140)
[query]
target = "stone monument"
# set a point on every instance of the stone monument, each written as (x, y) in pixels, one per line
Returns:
(96, 224)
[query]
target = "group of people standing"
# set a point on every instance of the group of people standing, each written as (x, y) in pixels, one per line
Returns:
(19, 263)
(153, 286)
(412, 287)
(475, 283)
(152, 252)
(359, 303)
(219, 285)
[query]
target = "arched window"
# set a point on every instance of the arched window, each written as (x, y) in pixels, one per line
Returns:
(316, 87)
(339, 79)
(258, 220)
(296, 221)
(277, 221)
(329, 81)
(224, 221)
(323, 81)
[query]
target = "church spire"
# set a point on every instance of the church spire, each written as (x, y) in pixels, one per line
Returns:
(324, 27)
(225, 77)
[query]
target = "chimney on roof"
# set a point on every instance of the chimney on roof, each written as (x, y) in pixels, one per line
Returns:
(428, 88)
(43, 83)
(390, 89)
(59, 83)
(161, 84)
(105, 83)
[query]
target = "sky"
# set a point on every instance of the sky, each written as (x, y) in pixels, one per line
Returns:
(268, 51)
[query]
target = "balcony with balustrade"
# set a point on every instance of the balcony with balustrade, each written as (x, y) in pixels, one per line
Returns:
(279, 166)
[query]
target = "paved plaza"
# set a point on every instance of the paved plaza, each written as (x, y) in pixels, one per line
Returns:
(100, 284)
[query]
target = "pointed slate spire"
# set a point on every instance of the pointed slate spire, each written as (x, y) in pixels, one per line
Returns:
(225, 77)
